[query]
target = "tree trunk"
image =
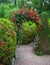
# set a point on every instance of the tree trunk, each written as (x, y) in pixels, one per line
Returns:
(15, 2)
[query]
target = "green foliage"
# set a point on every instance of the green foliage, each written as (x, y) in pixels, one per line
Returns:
(7, 41)
(40, 53)
(11, 6)
(29, 31)
(8, 13)
(44, 23)
(48, 12)
(44, 34)
(49, 22)
(43, 5)
(6, 9)
(3, 10)
(29, 3)
(5, 1)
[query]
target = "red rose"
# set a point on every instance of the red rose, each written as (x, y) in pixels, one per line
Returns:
(18, 24)
(39, 26)
(31, 16)
(32, 12)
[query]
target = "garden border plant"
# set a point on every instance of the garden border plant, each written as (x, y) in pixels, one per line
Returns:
(7, 41)
(42, 46)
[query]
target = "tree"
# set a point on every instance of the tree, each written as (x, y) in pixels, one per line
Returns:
(5, 1)
(15, 2)
(40, 5)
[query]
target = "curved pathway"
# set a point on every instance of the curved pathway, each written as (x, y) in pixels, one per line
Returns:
(27, 57)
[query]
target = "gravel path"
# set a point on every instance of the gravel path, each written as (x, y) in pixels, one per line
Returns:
(27, 57)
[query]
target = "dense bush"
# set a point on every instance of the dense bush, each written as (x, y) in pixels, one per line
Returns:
(48, 12)
(29, 32)
(5, 1)
(7, 41)
(6, 9)
(3, 10)
(8, 13)
(43, 44)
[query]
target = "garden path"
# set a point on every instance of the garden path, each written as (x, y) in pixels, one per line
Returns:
(27, 57)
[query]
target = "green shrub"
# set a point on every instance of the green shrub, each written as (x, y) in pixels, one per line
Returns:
(8, 13)
(6, 9)
(44, 34)
(40, 53)
(3, 10)
(7, 41)
(48, 12)
(29, 31)
(49, 22)
(11, 6)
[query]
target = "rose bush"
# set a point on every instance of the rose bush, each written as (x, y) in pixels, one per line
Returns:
(24, 15)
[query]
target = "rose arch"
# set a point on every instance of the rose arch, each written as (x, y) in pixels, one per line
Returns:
(22, 15)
